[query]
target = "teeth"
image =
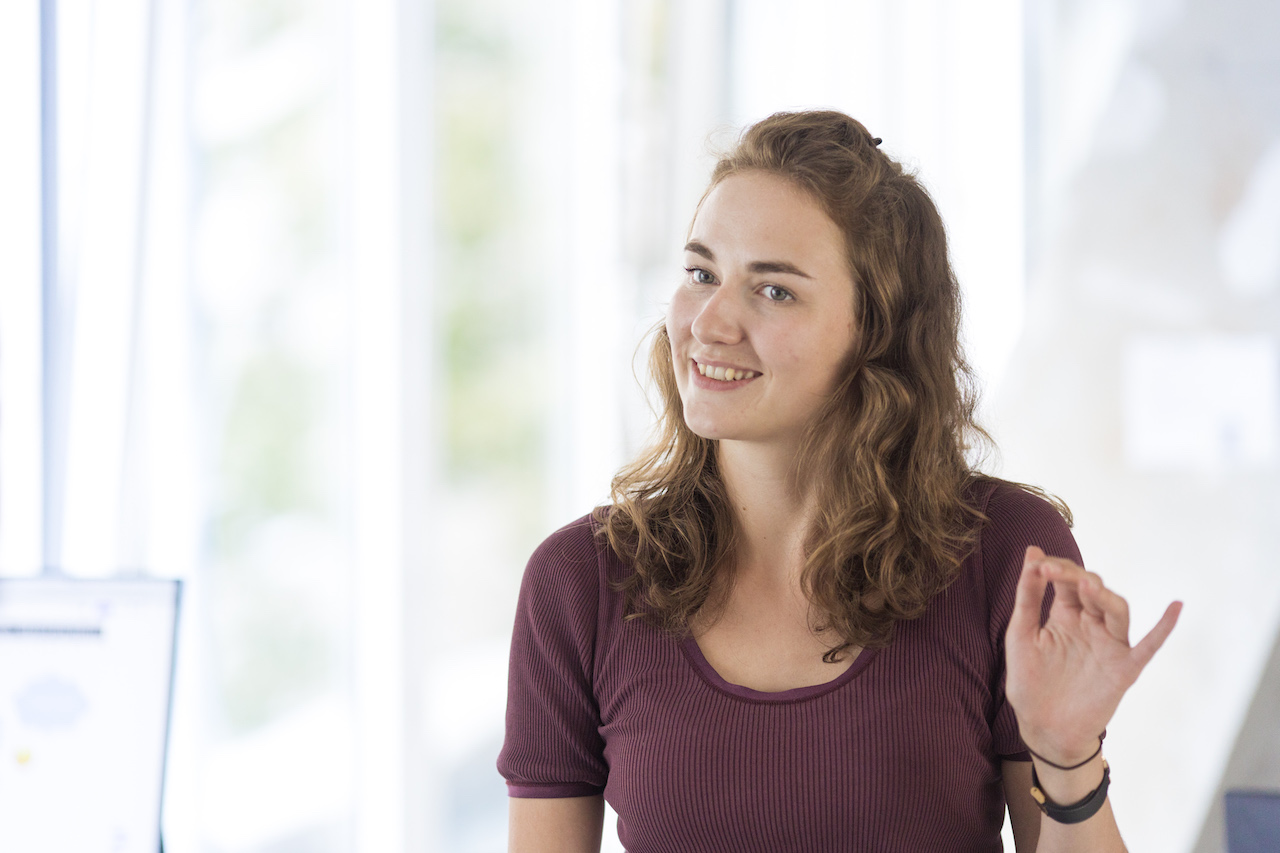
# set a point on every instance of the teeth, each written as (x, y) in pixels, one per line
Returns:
(725, 374)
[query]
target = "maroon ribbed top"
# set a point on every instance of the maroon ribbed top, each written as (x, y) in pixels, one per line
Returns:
(900, 752)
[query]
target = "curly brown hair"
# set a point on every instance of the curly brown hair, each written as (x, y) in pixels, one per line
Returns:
(885, 457)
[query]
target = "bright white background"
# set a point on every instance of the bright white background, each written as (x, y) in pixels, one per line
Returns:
(351, 294)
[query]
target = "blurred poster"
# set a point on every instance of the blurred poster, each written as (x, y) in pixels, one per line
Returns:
(85, 676)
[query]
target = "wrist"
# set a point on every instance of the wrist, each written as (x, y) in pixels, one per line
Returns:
(1061, 753)
(1069, 800)
(1066, 787)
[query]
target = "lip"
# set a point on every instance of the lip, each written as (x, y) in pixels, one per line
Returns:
(707, 384)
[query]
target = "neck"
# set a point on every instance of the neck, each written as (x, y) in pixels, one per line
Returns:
(771, 511)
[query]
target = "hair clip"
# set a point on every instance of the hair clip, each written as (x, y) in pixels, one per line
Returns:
(877, 140)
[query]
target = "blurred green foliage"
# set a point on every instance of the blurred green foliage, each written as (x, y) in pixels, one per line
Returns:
(275, 642)
(277, 460)
(265, 469)
(491, 319)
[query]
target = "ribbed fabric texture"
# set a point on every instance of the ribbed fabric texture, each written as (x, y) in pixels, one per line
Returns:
(901, 752)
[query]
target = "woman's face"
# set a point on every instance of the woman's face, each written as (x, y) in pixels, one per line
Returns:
(764, 316)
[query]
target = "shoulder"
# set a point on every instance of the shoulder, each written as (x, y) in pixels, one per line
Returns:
(569, 559)
(1017, 517)
(1014, 503)
(574, 544)
(562, 593)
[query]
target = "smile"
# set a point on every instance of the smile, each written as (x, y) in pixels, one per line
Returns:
(724, 374)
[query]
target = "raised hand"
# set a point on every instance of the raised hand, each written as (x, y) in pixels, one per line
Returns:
(1066, 679)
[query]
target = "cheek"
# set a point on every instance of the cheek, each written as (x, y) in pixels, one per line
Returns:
(680, 316)
(674, 338)
(825, 354)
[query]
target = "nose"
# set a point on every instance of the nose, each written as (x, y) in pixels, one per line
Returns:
(719, 319)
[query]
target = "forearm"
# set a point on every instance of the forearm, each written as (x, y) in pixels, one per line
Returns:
(1097, 834)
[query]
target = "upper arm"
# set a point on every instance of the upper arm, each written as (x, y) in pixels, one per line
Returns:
(553, 747)
(1024, 814)
(555, 824)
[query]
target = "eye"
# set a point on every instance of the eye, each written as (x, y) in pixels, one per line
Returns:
(700, 276)
(776, 294)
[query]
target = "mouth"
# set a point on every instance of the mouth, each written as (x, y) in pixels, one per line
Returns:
(724, 374)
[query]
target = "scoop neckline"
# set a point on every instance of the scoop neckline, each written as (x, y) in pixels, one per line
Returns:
(693, 654)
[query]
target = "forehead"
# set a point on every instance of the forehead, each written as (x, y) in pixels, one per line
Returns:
(757, 215)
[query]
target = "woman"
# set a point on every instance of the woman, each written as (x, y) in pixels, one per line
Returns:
(806, 623)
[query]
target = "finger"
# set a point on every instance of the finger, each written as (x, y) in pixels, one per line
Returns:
(1087, 589)
(1064, 569)
(1107, 606)
(1150, 644)
(1065, 577)
(1025, 621)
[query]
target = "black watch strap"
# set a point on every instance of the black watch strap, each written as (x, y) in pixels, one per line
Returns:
(1077, 812)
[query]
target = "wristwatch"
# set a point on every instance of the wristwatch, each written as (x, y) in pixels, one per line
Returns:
(1077, 812)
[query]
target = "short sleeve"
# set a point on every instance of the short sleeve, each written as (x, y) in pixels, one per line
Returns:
(553, 746)
(1016, 519)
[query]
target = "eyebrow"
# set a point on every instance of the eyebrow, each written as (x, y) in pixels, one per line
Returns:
(755, 266)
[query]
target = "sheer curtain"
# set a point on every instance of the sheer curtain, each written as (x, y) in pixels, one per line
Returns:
(238, 209)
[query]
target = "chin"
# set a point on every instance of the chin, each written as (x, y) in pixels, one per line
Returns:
(719, 432)
(702, 429)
